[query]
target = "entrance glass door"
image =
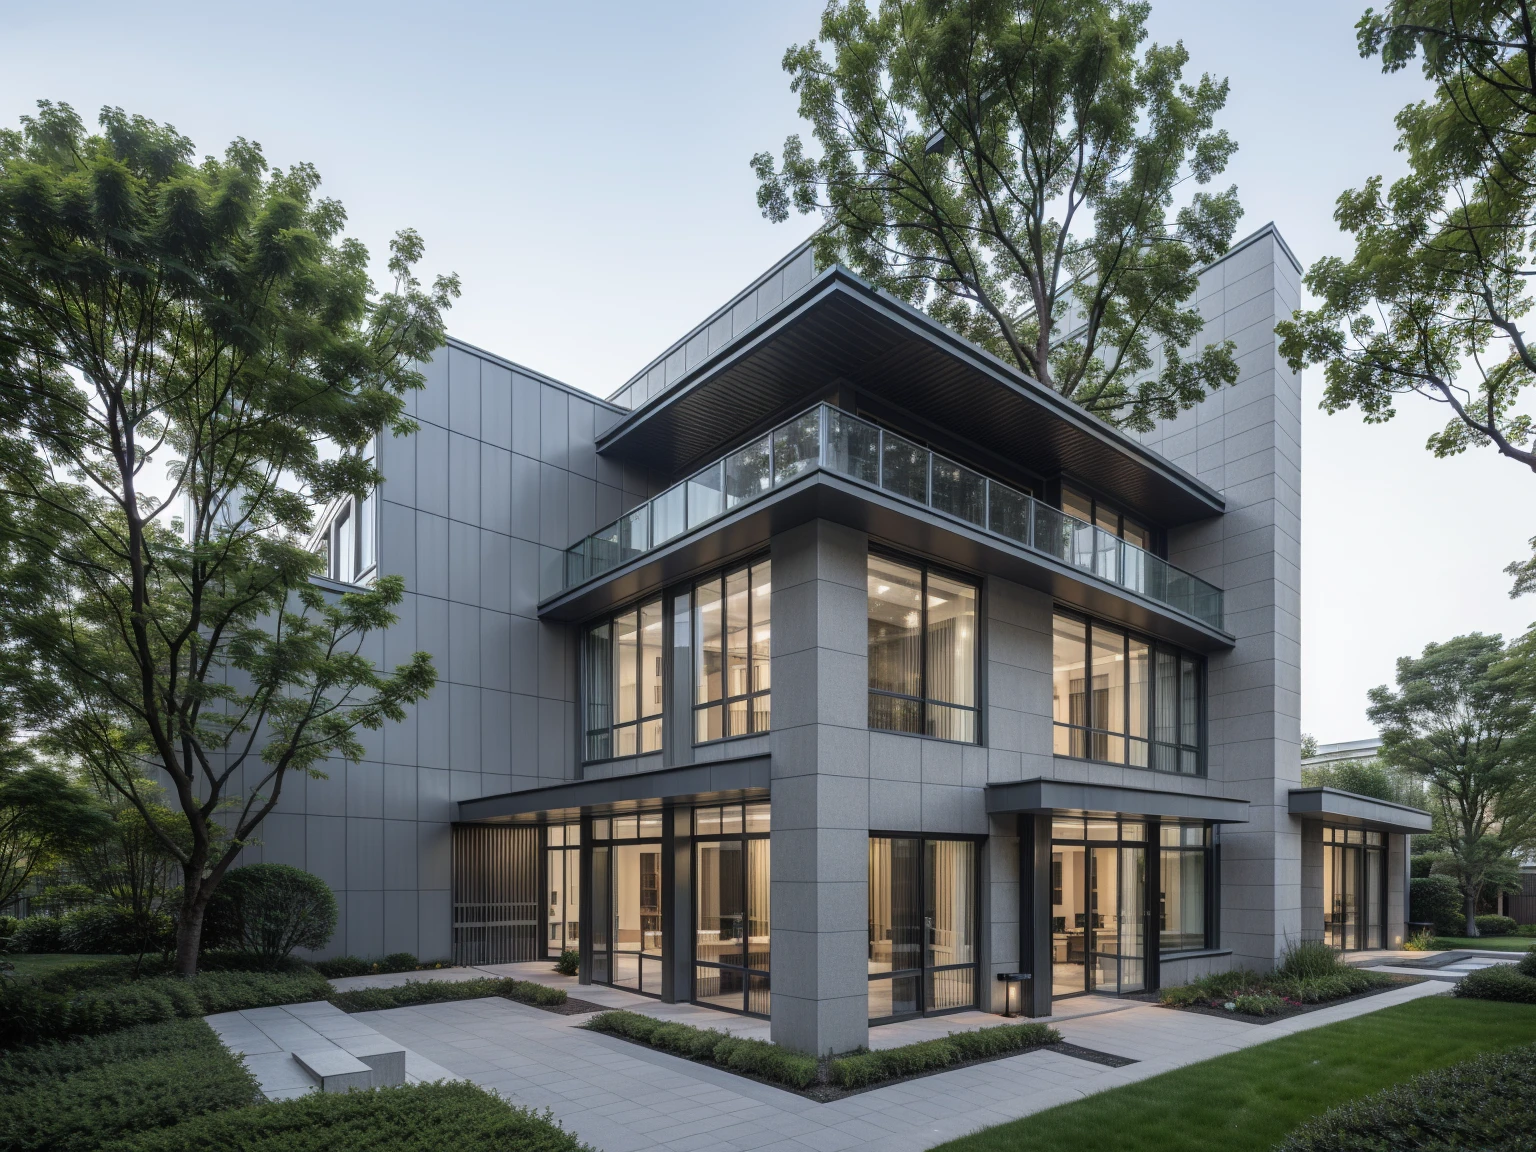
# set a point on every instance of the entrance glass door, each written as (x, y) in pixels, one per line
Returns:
(627, 915)
(1098, 906)
(1353, 889)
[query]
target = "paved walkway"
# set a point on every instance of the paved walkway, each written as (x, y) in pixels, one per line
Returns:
(621, 1097)
(1471, 960)
(268, 1038)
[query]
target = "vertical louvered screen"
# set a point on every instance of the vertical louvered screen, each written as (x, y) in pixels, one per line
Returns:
(495, 894)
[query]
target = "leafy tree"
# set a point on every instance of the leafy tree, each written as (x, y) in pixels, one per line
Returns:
(1462, 721)
(43, 817)
(1011, 167)
(207, 319)
(1433, 300)
(1362, 777)
(1308, 745)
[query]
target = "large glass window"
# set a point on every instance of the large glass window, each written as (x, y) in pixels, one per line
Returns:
(1098, 905)
(627, 911)
(922, 925)
(1120, 698)
(1185, 886)
(622, 683)
(562, 883)
(733, 630)
(1094, 511)
(731, 883)
(922, 651)
(1354, 888)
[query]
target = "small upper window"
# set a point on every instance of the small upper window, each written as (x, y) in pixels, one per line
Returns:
(622, 686)
(347, 540)
(732, 669)
(922, 651)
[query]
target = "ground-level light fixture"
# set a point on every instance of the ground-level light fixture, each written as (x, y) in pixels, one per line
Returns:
(1013, 991)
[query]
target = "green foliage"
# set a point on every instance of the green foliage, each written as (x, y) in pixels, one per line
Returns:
(8, 926)
(206, 318)
(569, 963)
(752, 1057)
(442, 991)
(1421, 941)
(339, 966)
(43, 815)
(1463, 721)
(452, 1115)
(36, 934)
(1436, 900)
(76, 1097)
(1498, 982)
(1527, 963)
(1495, 926)
(1363, 778)
(271, 909)
(1259, 1004)
(1419, 865)
(1309, 972)
(31, 1012)
(1304, 958)
(100, 929)
(865, 1068)
(1486, 1102)
(1011, 168)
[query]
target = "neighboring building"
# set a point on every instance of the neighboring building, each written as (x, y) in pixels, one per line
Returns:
(1346, 750)
(885, 676)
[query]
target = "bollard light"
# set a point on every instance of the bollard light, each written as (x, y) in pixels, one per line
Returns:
(1013, 991)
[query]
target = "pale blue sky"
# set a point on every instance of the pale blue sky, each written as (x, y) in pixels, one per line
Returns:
(584, 169)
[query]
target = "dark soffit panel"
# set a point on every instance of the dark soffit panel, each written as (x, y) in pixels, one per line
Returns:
(838, 329)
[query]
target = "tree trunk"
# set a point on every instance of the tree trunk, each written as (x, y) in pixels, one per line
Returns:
(189, 932)
(1471, 910)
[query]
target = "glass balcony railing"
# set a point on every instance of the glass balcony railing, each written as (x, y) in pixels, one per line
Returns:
(829, 439)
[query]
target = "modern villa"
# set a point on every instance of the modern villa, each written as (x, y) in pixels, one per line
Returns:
(834, 671)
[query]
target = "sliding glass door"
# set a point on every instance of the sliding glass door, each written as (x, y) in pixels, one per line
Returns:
(922, 926)
(627, 915)
(731, 925)
(1098, 906)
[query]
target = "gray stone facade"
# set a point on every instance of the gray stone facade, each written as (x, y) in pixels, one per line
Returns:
(504, 473)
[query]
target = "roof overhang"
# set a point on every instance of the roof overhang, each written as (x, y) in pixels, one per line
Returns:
(838, 329)
(822, 495)
(1357, 811)
(722, 781)
(1045, 796)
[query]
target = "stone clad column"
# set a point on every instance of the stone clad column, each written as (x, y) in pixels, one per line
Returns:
(820, 749)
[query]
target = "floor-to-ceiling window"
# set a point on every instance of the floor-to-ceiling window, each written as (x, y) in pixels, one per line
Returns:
(1098, 905)
(1186, 886)
(622, 659)
(627, 913)
(922, 650)
(922, 925)
(731, 914)
(1120, 698)
(562, 886)
(1354, 888)
(732, 639)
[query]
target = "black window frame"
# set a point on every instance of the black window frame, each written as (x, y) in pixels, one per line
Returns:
(1085, 740)
(1356, 855)
(642, 719)
(1209, 848)
(750, 698)
(1097, 508)
(924, 700)
(764, 976)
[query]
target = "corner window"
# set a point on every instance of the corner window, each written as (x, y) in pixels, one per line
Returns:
(1185, 886)
(347, 540)
(622, 683)
(922, 926)
(1093, 511)
(1125, 700)
(732, 634)
(922, 651)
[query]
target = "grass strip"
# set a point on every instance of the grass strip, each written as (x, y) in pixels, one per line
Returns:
(1247, 1101)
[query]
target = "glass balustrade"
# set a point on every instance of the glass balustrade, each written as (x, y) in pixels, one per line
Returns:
(829, 439)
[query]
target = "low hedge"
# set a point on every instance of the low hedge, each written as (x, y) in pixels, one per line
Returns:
(1495, 925)
(1268, 995)
(36, 934)
(442, 991)
(31, 1012)
(1498, 982)
(455, 1115)
(753, 1057)
(865, 1068)
(1486, 1102)
(83, 1095)
(338, 967)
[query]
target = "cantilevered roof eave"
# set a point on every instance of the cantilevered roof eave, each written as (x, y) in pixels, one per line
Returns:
(836, 297)
(1042, 796)
(1351, 808)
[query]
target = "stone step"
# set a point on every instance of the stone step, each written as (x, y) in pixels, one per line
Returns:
(384, 1056)
(335, 1070)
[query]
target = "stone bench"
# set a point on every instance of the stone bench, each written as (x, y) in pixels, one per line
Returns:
(338, 1071)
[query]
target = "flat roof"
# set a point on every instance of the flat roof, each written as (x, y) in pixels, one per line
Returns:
(1340, 807)
(1043, 796)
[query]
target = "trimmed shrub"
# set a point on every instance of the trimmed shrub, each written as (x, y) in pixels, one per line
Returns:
(8, 926)
(443, 991)
(44, 1062)
(752, 1057)
(1259, 1004)
(769, 1061)
(30, 1012)
(569, 963)
(271, 909)
(1419, 866)
(1437, 900)
(1495, 925)
(1528, 961)
(338, 967)
(865, 1068)
(1498, 982)
(1486, 1102)
(176, 1074)
(397, 962)
(454, 1114)
(100, 928)
(36, 934)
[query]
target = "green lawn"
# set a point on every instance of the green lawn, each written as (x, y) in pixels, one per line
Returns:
(1251, 1099)
(35, 964)
(1489, 943)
